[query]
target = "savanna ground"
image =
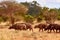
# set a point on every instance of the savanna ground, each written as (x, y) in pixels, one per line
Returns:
(7, 34)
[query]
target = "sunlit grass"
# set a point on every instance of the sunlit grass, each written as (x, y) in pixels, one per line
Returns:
(11, 34)
(6, 34)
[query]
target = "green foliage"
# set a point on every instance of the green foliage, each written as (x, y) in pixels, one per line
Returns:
(40, 18)
(28, 10)
(58, 17)
(29, 18)
(33, 8)
(5, 19)
(1, 19)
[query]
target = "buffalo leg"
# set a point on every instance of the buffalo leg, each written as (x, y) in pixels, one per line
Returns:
(53, 30)
(59, 30)
(31, 29)
(50, 30)
(56, 31)
(42, 30)
(39, 30)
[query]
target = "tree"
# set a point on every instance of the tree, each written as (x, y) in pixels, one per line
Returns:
(45, 11)
(34, 9)
(45, 14)
(50, 15)
(25, 4)
(53, 15)
(58, 17)
(9, 8)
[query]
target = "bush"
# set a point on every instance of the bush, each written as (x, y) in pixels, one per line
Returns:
(39, 18)
(5, 19)
(1, 19)
(58, 17)
(28, 18)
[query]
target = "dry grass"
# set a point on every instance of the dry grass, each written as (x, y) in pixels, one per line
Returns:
(6, 34)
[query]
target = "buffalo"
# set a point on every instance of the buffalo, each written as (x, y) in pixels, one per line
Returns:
(18, 26)
(21, 26)
(40, 26)
(53, 27)
(29, 26)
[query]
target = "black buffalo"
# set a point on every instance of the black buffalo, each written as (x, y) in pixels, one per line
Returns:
(29, 26)
(21, 26)
(18, 26)
(40, 26)
(53, 27)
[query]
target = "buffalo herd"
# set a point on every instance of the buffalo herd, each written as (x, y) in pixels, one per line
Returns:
(42, 27)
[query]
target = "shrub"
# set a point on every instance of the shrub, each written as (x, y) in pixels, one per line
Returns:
(28, 18)
(39, 18)
(1, 19)
(58, 17)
